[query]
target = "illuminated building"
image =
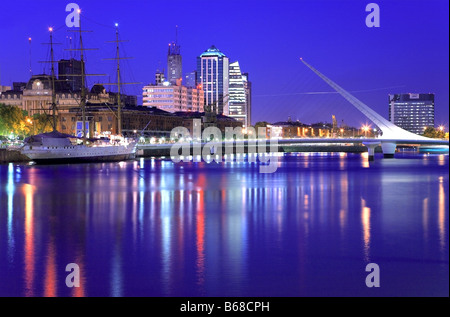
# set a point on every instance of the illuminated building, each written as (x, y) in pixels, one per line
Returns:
(174, 63)
(173, 98)
(36, 96)
(412, 112)
(238, 106)
(212, 74)
(150, 121)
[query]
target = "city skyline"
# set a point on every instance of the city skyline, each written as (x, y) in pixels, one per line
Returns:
(373, 67)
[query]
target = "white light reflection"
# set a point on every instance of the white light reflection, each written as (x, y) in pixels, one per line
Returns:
(166, 236)
(116, 273)
(365, 219)
(365, 160)
(425, 215)
(10, 191)
(441, 215)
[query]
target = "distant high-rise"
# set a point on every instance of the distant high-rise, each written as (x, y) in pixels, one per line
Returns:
(68, 67)
(412, 112)
(212, 75)
(174, 63)
(248, 96)
(191, 79)
(237, 102)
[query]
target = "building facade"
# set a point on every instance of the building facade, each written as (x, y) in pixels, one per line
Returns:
(248, 95)
(212, 75)
(4, 88)
(36, 96)
(412, 112)
(173, 98)
(67, 68)
(174, 63)
(238, 106)
(191, 79)
(148, 121)
(296, 129)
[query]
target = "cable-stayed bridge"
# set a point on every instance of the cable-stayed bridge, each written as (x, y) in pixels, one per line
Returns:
(391, 135)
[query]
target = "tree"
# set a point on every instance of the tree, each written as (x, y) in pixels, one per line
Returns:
(13, 120)
(42, 123)
(431, 132)
(261, 124)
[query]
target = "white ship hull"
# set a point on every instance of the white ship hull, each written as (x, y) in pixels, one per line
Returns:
(68, 153)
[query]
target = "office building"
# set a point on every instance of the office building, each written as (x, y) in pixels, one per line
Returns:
(212, 75)
(66, 70)
(237, 101)
(174, 63)
(248, 95)
(173, 98)
(412, 112)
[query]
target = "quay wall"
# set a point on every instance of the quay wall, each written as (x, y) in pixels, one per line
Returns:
(11, 156)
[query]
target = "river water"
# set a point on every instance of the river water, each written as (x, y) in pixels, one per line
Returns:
(155, 228)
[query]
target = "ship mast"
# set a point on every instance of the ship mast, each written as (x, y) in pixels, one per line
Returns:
(83, 93)
(83, 85)
(119, 104)
(52, 61)
(52, 78)
(119, 83)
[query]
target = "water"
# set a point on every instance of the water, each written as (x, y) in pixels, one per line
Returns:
(155, 228)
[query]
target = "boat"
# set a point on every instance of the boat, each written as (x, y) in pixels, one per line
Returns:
(56, 147)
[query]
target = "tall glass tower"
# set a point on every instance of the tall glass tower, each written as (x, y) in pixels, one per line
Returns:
(212, 74)
(237, 103)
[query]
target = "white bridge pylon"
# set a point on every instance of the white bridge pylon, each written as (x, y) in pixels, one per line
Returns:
(389, 130)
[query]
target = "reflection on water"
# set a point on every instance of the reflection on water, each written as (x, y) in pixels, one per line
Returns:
(442, 203)
(155, 228)
(365, 219)
(28, 193)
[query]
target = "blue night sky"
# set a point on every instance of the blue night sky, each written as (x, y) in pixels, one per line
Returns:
(409, 52)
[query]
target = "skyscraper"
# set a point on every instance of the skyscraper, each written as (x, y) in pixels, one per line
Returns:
(237, 102)
(248, 96)
(412, 112)
(212, 75)
(174, 63)
(68, 67)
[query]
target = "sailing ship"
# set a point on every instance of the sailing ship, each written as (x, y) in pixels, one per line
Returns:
(56, 147)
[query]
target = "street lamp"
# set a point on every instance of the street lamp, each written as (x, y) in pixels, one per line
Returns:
(30, 122)
(365, 128)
